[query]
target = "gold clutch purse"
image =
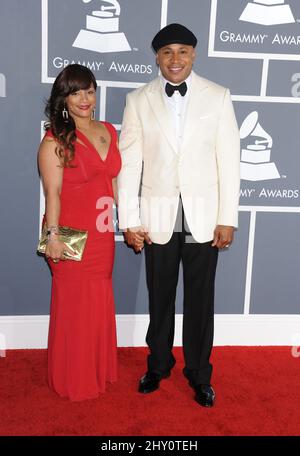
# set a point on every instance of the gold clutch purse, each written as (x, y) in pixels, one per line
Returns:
(73, 238)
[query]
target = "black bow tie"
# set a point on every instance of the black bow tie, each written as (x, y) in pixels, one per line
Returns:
(170, 89)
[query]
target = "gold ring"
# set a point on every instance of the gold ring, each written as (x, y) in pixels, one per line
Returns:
(55, 261)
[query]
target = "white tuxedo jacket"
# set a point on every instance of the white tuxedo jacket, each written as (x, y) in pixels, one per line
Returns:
(204, 170)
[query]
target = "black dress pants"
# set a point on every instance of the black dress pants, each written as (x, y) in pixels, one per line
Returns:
(199, 261)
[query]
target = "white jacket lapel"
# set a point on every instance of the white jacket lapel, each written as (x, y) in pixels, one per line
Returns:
(194, 106)
(160, 111)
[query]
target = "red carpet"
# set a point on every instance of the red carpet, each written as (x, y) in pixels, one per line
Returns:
(258, 393)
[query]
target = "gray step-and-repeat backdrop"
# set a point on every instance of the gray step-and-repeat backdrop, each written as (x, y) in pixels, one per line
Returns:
(252, 47)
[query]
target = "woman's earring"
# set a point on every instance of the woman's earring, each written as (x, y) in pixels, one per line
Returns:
(94, 114)
(65, 114)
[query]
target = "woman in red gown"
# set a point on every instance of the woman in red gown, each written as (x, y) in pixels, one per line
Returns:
(79, 161)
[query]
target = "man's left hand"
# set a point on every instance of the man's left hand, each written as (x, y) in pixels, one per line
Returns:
(223, 236)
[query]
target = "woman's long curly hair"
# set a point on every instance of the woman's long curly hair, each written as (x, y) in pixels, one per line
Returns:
(73, 78)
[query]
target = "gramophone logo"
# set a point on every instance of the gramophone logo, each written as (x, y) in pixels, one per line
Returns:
(102, 30)
(2, 85)
(256, 162)
(267, 12)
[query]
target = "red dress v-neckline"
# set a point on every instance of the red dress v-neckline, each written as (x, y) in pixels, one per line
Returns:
(87, 143)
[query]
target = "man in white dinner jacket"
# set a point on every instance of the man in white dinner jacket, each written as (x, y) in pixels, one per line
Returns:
(180, 140)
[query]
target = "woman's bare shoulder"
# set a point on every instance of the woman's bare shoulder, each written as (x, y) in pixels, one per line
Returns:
(48, 144)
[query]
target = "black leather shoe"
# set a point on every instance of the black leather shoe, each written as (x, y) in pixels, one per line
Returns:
(150, 381)
(205, 395)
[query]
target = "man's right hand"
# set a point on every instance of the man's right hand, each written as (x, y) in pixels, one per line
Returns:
(136, 236)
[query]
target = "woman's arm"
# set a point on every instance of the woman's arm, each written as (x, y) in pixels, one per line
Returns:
(52, 176)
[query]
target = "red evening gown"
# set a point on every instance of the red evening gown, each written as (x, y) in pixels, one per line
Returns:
(82, 348)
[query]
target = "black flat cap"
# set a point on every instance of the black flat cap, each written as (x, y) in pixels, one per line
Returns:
(173, 34)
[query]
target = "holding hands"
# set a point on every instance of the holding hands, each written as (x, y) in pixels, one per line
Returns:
(136, 237)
